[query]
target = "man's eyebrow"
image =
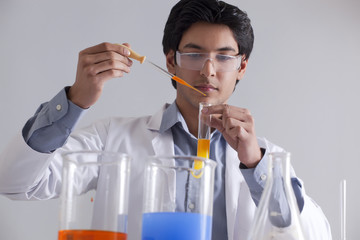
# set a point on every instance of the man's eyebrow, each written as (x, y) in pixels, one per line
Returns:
(222, 49)
(226, 49)
(193, 45)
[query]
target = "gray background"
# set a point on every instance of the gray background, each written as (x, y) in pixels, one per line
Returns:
(301, 85)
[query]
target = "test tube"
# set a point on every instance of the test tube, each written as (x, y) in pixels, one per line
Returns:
(203, 147)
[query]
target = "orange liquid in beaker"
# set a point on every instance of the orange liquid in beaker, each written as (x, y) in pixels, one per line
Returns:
(203, 148)
(90, 235)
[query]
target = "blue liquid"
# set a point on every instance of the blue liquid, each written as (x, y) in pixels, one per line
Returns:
(176, 226)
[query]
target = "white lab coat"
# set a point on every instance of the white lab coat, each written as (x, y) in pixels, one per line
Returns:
(27, 174)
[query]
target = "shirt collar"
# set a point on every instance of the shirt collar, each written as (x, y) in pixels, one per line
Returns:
(171, 117)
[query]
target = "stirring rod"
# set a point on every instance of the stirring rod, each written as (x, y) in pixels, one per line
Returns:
(343, 208)
(142, 59)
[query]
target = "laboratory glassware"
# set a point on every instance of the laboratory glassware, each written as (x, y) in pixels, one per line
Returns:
(204, 131)
(94, 197)
(176, 204)
(343, 209)
(203, 142)
(277, 216)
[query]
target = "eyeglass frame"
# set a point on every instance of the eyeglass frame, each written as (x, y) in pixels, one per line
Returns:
(178, 54)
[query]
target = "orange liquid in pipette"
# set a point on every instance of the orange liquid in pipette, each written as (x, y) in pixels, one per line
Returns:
(179, 80)
(90, 235)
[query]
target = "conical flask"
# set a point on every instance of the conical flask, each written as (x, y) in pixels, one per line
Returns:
(277, 216)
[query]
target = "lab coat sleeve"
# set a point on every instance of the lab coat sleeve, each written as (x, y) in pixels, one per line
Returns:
(26, 174)
(314, 221)
(20, 167)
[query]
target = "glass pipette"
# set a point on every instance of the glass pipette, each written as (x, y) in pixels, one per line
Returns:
(142, 59)
(175, 78)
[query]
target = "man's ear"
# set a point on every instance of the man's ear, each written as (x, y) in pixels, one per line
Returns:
(242, 69)
(170, 61)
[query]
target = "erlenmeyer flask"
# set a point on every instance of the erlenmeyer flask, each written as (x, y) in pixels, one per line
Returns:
(277, 216)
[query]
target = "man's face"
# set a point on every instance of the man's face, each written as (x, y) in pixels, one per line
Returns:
(217, 85)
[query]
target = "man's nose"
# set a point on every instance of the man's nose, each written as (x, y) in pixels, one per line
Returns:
(208, 68)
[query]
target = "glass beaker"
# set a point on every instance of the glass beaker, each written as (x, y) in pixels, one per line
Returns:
(94, 197)
(178, 205)
(277, 216)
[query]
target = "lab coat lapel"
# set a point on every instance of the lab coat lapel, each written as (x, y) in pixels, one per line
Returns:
(163, 144)
(232, 189)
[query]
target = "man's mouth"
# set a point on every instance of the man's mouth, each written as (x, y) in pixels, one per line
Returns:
(206, 88)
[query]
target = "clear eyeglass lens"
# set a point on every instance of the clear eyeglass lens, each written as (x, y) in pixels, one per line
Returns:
(196, 61)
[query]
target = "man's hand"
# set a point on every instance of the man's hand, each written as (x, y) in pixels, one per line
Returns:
(237, 126)
(96, 65)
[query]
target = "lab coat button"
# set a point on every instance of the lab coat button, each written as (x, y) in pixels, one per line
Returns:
(263, 177)
(58, 107)
(191, 206)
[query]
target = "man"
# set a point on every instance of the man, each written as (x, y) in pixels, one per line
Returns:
(207, 43)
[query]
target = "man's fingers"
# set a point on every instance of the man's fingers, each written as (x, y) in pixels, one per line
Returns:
(93, 62)
(229, 112)
(224, 108)
(110, 58)
(215, 122)
(236, 122)
(232, 123)
(104, 56)
(105, 47)
(109, 74)
(238, 132)
(109, 65)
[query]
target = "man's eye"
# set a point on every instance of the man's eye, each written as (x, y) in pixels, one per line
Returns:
(195, 55)
(223, 58)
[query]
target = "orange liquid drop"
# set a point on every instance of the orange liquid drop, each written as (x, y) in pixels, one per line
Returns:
(90, 235)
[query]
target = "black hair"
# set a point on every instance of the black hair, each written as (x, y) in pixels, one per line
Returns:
(187, 12)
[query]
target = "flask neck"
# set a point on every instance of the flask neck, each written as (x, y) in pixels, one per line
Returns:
(279, 166)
